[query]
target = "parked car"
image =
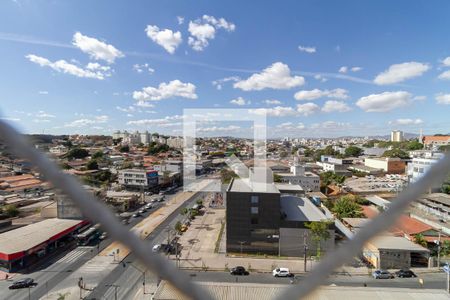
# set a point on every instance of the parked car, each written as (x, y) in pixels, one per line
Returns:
(156, 248)
(282, 272)
(405, 273)
(239, 270)
(23, 283)
(135, 215)
(125, 221)
(142, 210)
(382, 274)
(148, 206)
(103, 236)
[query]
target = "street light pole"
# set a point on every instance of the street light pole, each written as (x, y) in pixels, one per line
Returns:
(143, 276)
(305, 248)
(242, 243)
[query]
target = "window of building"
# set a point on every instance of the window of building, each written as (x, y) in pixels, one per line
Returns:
(254, 199)
(254, 210)
(254, 220)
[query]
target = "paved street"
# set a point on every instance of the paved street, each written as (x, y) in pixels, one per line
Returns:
(124, 274)
(54, 270)
(431, 280)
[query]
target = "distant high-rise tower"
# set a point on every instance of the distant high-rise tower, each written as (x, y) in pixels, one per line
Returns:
(396, 136)
(421, 136)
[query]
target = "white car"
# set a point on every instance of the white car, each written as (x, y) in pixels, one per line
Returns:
(156, 248)
(282, 272)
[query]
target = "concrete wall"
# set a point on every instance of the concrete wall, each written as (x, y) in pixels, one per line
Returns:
(292, 242)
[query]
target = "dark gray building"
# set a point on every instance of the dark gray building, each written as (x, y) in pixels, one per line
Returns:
(262, 219)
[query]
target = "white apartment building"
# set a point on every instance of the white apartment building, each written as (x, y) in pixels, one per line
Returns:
(175, 142)
(420, 165)
(397, 136)
(309, 181)
(58, 150)
(138, 178)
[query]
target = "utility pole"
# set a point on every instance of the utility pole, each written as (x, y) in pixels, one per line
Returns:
(305, 249)
(242, 243)
(439, 251)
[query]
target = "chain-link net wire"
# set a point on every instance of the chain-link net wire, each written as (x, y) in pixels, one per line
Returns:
(96, 211)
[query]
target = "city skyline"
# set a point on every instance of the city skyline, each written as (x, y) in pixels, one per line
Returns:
(67, 70)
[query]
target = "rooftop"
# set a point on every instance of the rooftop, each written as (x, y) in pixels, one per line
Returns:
(28, 237)
(246, 186)
(300, 209)
(396, 243)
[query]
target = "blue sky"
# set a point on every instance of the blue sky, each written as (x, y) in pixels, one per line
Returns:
(317, 68)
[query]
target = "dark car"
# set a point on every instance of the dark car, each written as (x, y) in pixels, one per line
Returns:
(405, 273)
(23, 283)
(239, 270)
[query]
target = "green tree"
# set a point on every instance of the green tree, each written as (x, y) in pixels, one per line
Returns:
(419, 239)
(11, 210)
(276, 177)
(319, 231)
(184, 211)
(396, 153)
(414, 145)
(92, 165)
(199, 202)
(178, 227)
(124, 148)
(77, 153)
(226, 175)
(97, 155)
(445, 188)
(445, 248)
(346, 207)
(353, 151)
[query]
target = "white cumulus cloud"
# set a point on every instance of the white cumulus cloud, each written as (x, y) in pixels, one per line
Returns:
(240, 101)
(335, 106)
(401, 72)
(443, 99)
(343, 69)
(384, 102)
(96, 49)
(307, 108)
(92, 70)
(166, 38)
(174, 88)
(272, 102)
(277, 76)
(445, 75)
(316, 93)
(204, 29)
(277, 111)
(88, 122)
(406, 122)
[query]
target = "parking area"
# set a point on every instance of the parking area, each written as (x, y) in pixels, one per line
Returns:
(372, 184)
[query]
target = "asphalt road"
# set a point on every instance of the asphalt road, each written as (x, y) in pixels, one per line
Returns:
(53, 270)
(126, 275)
(431, 280)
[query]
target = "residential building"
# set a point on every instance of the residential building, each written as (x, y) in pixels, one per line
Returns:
(58, 150)
(387, 164)
(175, 142)
(309, 181)
(420, 165)
(435, 141)
(138, 178)
(389, 252)
(260, 219)
(397, 136)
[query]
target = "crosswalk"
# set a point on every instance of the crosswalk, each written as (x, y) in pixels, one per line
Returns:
(73, 255)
